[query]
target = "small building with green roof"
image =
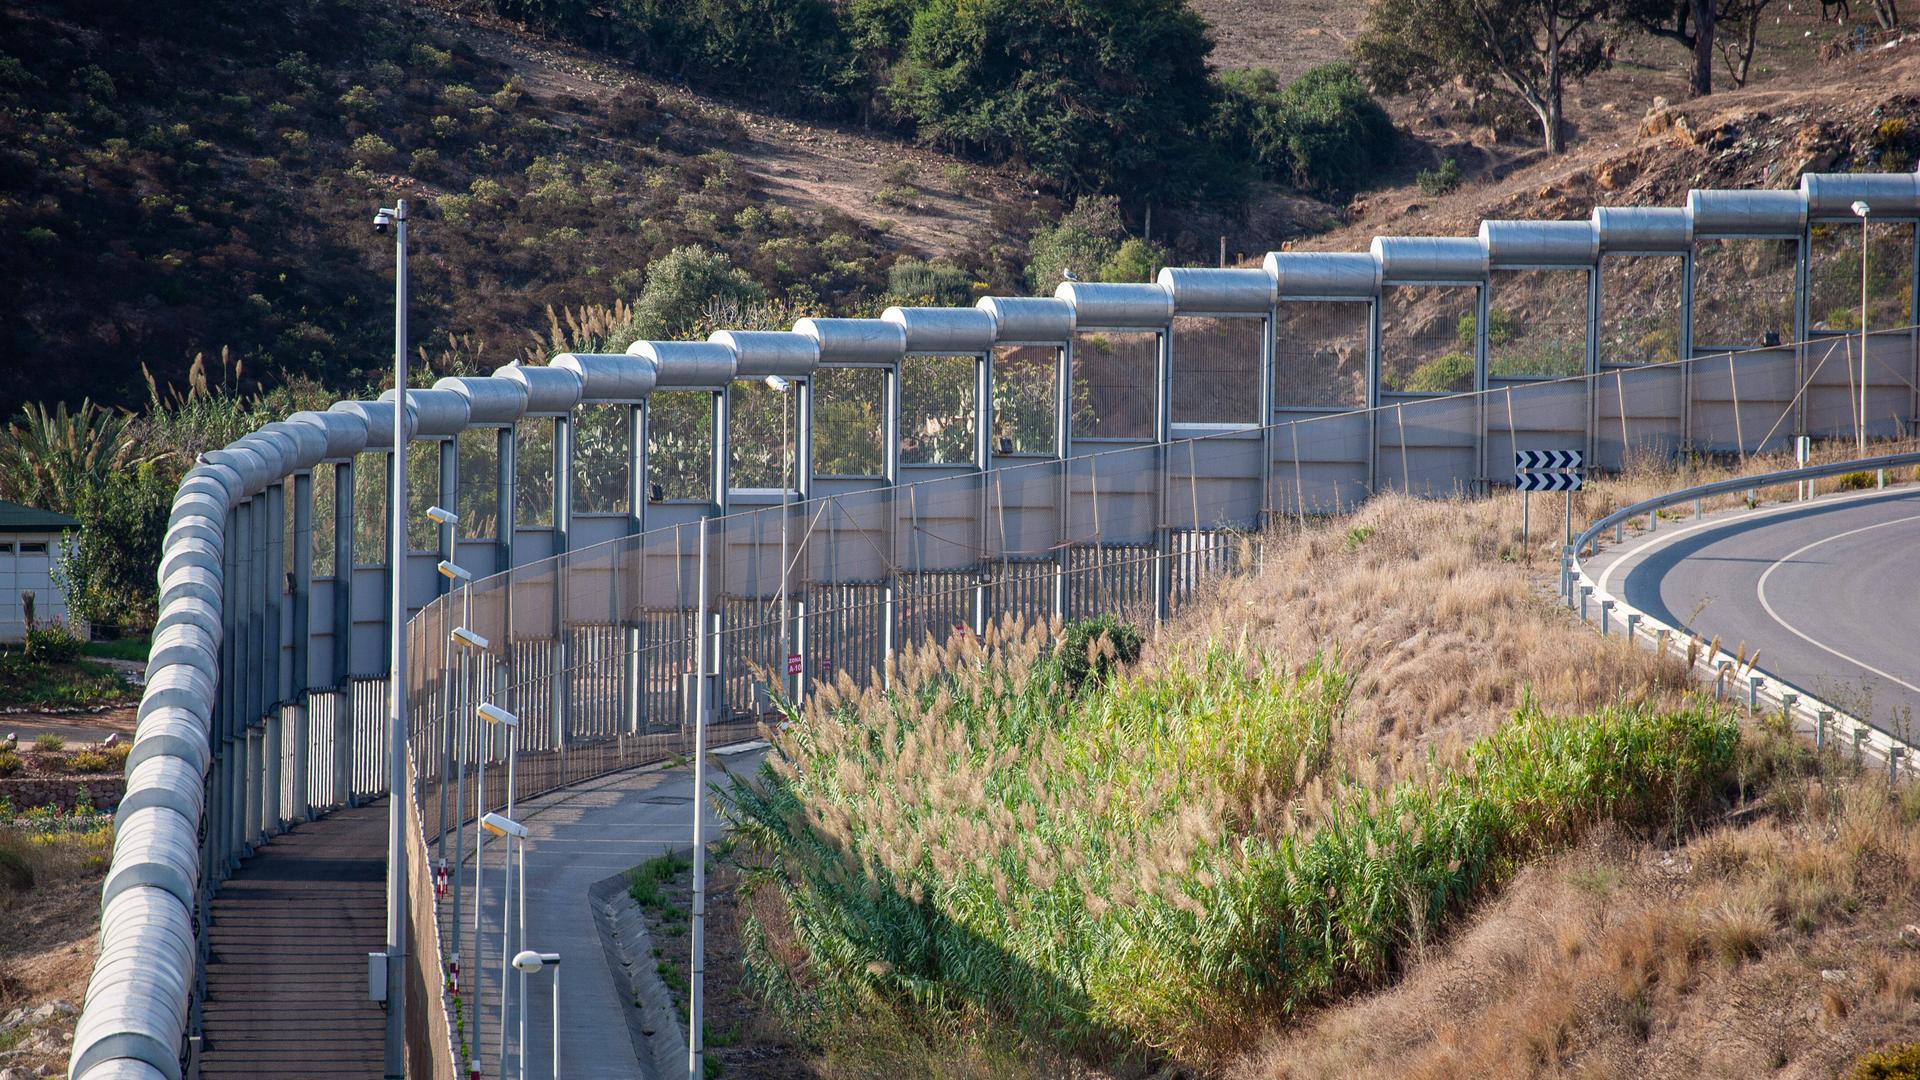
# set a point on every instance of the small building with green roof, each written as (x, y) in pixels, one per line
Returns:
(31, 540)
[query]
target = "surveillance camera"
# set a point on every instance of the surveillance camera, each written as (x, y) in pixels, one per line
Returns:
(382, 219)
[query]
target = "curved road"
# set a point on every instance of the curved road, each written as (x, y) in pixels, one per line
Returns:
(1828, 591)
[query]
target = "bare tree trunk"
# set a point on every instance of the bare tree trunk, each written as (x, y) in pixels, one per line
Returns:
(1886, 13)
(1550, 116)
(1703, 20)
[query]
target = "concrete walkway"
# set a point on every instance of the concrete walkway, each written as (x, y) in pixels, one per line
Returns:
(580, 836)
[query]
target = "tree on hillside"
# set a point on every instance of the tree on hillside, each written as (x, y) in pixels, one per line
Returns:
(1089, 95)
(1530, 48)
(1696, 25)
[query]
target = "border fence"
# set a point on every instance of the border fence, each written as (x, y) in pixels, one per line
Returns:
(1104, 450)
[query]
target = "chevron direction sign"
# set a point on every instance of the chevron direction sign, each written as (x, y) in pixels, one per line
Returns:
(1546, 470)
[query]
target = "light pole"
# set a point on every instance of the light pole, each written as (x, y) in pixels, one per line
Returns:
(781, 386)
(696, 996)
(468, 641)
(396, 1041)
(529, 962)
(490, 714)
(1861, 210)
(509, 830)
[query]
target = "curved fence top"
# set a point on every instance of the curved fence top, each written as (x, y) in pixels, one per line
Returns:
(219, 581)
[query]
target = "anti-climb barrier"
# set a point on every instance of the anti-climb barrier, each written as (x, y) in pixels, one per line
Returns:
(851, 485)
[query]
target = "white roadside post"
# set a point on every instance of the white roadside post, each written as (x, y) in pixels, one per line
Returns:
(529, 962)
(396, 944)
(509, 830)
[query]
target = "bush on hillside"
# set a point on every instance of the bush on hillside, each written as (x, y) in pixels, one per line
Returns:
(929, 281)
(1448, 374)
(1321, 132)
(1091, 241)
(683, 284)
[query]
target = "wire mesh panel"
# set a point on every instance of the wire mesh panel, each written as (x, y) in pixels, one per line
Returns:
(680, 444)
(600, 440)
(937, 409)
(760, 434)
(1427, 338)
(1536, 323)
(848, 422)
(1116, 383)
(1320, 354)
(1743, 293)
(1026, 382)
(1835, 289)
(1642, 309)
(1216, 369)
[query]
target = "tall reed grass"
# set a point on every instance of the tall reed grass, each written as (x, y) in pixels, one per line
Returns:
(1143, 865)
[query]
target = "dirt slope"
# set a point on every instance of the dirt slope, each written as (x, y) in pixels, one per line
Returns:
(809, 168)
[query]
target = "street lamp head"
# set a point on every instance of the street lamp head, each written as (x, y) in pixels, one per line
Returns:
(530, 961)
(778, 383)
(454, 572)
(494, 714)
(1860, 208)
(501, 825)
(442, 516)
(468, 639)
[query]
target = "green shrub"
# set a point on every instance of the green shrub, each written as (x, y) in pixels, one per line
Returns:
(106, 570)
(1136, 863)
(359, 101)
(682, 284)
(90, 761)
(1321, 132)
(10, 763)
(49, 743)
(1855, 481)
(1439, 181)
(52, 643)
(426, 56)
(1499, 329)
(1899, 1062)
(372, 151)
(1091, 241)
(1446, 374)
(645, 880)
(1091, 649)
(938, 282)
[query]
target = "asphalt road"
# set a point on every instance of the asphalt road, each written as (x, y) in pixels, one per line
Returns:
(1827, 591)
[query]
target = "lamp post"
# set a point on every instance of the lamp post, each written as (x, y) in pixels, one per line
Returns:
(489, 714)
(396, 946)
(509, 830)
(1862, 210)
(527, 963)
(781, 386)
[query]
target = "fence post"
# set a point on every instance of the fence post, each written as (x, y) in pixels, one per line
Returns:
(302, 625)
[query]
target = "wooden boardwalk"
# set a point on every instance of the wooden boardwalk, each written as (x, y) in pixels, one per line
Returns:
(287, 975)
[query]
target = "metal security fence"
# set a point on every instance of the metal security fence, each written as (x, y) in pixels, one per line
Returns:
(1107, 449)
